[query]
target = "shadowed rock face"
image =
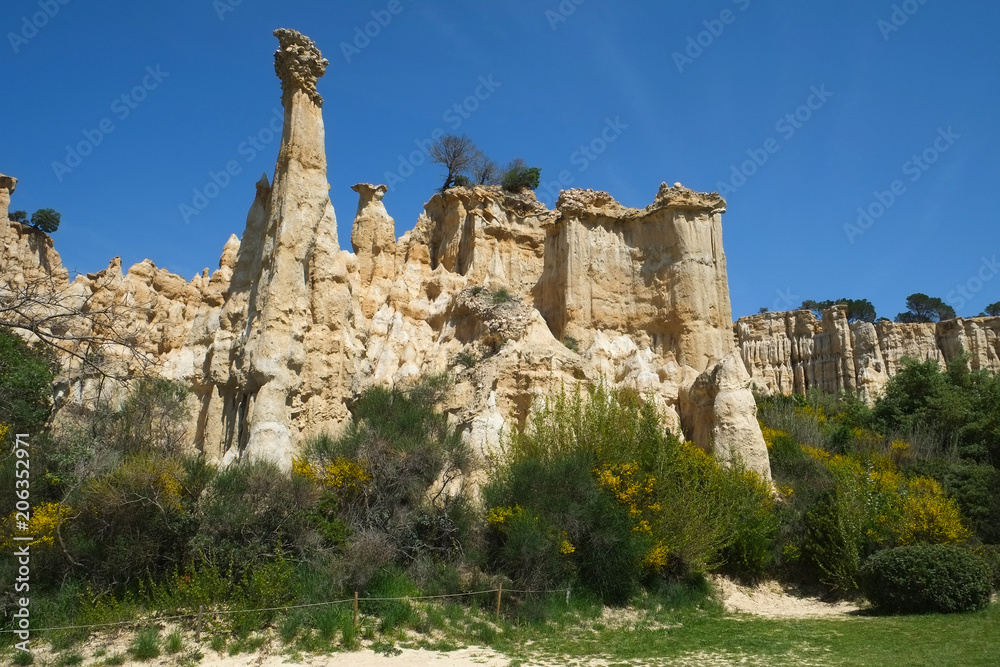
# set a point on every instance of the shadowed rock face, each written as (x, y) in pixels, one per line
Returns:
(533, 301)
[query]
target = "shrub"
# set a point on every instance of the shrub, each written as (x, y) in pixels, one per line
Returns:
(926, 578)
(521, 178)
(961, 408)
(133, 520)
(397, 470)
(26, 375)
(248, 510)
(974, 487)
(550, 520)
(151, 418)
(501, 295)
(687, 513)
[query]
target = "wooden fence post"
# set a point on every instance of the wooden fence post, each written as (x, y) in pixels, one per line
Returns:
(355, 610)
(499, 593)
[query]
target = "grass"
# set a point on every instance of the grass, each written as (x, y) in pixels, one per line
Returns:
(146, 644)
(706, 635)
(23, 658)
(502, 295)
(174, 642)
(69, 660)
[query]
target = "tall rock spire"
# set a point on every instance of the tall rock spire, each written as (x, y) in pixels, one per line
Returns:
(281, 297)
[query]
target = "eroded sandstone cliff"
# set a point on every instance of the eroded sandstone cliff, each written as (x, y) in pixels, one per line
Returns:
(795, 351)
(514, 300)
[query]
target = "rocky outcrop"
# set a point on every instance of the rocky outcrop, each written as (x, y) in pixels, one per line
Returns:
(7, 186)
(796, 351)
(513, 300)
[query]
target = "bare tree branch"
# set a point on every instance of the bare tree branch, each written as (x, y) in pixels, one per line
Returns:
(94, 325)
(456, 154)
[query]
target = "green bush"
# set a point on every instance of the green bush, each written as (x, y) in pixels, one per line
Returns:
(151, 418)
(393, 482)
(975, 487)
(925, 579)
(248, 510)
(26, 374)
(990, 553)
(835, 538)
(132, 521)
(961, 408)
(687, 514)
(502, 295)
(521, 178)
(550, 520)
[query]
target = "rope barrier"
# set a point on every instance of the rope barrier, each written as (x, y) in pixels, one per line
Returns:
(223, 612)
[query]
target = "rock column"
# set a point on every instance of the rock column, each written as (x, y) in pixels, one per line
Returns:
(7, 186)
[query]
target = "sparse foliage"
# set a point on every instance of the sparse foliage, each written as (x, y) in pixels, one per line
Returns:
(18, 216)
(485, 171)
(993, 310)
(101, 337)
(456, 154)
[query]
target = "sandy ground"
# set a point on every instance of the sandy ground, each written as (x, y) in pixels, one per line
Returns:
(765, 599)
(770, 599)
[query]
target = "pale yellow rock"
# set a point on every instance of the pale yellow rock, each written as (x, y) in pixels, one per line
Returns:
(7, 187)
(793, 352)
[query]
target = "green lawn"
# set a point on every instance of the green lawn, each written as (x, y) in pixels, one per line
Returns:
(709, 637)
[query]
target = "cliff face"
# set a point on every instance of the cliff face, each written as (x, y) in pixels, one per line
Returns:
(794, 351)
(291, 329)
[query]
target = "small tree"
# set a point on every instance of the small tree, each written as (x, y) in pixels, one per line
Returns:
(518, 177)
(923, 308)
(485, 171)
(857, 309)
(456, 154)
(19, 216)
(993, 309)
(46, 220)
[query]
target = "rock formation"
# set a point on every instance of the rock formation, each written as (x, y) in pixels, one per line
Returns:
(794, 351)
(514, 300)
(7, 186)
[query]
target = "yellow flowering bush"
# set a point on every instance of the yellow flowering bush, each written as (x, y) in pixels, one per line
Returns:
(342, 475)
(928, 516)
(42, 523)
(499, 516)
(770, 434)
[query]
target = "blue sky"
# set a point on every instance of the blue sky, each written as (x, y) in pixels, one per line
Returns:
(801, 113)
